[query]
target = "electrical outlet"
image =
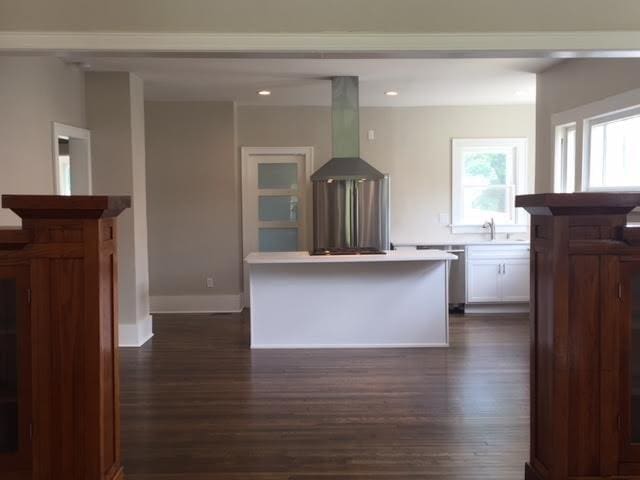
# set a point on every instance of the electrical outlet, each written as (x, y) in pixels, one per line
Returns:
(371, 134)
(209, 282)
(443, 218)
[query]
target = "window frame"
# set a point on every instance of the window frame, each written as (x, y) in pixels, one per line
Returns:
(588, 124)
(616, 105)
(521, 152)
(561, 158)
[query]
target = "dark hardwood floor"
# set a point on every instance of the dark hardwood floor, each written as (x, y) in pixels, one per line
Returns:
(198, 404)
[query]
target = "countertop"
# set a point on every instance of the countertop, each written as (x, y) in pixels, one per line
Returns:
(462, 243)
(391, 256)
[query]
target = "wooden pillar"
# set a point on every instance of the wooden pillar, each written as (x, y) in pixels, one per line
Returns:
(577, 400)
(67, 246)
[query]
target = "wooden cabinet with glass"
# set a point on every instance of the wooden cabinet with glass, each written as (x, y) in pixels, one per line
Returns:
(630, 365)
(15, 370)
(585, 337)
(59, 382)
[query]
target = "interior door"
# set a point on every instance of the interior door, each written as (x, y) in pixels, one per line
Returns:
(515, 280)
(15, 369)
(483, 281)
(274, 199)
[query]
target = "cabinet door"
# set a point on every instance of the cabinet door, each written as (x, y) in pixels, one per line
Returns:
(483, 281)
(15, 369)
(515, 280)
(630, 362)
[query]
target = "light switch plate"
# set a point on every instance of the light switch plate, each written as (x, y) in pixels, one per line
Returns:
(443, 218)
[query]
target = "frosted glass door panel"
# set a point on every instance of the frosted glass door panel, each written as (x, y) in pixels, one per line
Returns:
(278, 176)
(278, 239)
(278, 208)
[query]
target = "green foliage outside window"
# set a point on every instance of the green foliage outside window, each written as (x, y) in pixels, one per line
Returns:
(491, 168)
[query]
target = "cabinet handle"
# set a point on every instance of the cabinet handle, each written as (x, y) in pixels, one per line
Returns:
(504, 268)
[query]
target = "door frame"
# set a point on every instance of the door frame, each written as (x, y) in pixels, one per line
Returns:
(246, 154)
(79, 151)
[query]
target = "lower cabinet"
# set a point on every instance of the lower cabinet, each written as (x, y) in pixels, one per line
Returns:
(497, 274)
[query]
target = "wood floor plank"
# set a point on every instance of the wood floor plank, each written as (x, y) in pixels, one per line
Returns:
(198, 404)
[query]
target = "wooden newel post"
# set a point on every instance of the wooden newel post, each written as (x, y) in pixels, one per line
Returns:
(59, 373)
(585, 337)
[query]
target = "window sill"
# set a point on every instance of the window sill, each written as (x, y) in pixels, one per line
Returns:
(455, 229)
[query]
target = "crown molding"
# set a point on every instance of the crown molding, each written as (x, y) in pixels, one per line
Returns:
(553, 44)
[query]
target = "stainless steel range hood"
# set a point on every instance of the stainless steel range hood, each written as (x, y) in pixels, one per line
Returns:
(346, 163)
(350, 197)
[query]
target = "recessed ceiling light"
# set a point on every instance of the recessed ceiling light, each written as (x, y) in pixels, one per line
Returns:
(264, 93)
(391, 93)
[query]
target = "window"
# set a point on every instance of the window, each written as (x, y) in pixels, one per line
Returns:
(487, 175)
(64, 166)
(565, 159)
(614, 151)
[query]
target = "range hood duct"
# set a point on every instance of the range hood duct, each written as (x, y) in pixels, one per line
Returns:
(350, 197)
(346, 163)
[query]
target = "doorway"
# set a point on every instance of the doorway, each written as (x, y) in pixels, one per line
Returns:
(274, 200)
(71, 160)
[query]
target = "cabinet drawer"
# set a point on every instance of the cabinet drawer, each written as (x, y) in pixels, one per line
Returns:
(497, 252)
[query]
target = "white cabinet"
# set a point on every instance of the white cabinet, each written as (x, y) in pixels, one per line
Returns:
(497, 274)
(483, 281)
(515, 280)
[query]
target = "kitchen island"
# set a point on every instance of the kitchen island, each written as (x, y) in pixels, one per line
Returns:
(399, 299)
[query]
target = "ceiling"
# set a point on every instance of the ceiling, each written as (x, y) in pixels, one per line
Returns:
(420, 82)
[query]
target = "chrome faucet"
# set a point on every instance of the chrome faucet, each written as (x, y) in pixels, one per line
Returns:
(492, 226)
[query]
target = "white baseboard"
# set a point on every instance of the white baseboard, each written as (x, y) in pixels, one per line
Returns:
(490, 308)
(349, 345)
(135, 334)
(222, 303)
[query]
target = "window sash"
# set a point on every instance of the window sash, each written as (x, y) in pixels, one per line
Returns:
(516, 181)
(590, 125)
(506, 218)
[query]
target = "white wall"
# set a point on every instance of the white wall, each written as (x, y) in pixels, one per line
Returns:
(34, 93)
(115, 115)
(258, 16)
(571, 84)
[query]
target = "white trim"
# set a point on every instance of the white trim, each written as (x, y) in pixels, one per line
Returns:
(560, 156)
(83, 153)
(521, 145)
(219, 303)
(286, 346)
(134, 334)
(564, 44)
(582, 117)
(485, 308)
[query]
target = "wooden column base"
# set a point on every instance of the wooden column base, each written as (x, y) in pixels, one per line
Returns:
(530, 473)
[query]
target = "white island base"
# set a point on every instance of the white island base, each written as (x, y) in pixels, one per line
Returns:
(357, 301)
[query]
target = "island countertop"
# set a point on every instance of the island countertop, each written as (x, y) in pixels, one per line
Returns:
(390, 256)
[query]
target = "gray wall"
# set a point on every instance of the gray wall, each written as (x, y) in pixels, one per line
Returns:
(194, 198)
(34, 93)
(194, 177)
(115, 116)
(571, 84)
(412, 144)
